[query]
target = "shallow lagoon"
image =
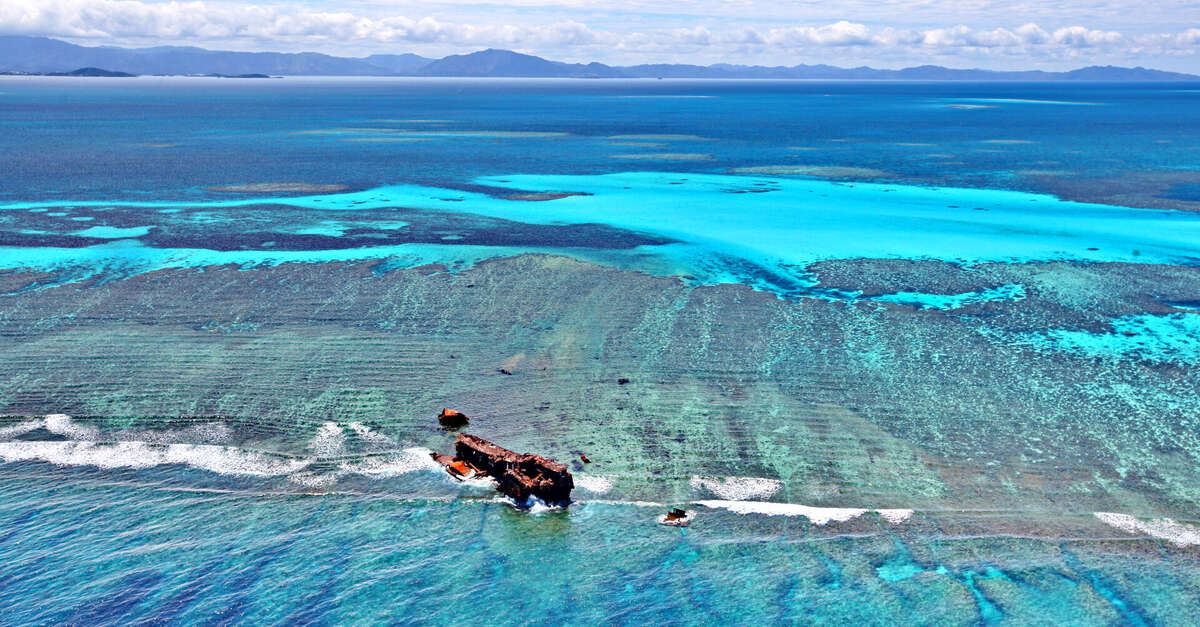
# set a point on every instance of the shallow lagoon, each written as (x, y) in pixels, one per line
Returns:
(774, 225)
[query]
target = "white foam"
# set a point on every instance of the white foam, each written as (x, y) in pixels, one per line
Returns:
(895, 516)
(399, 463)
(368, 434)
(815, 515)
(330, 440)
(737, 488)
(210, 432)
(595, 484)
(314, 480)
(1177, 533)
(478, 483)
(205, 433)
(538, 506)
(62, 424)
(533, 505)
(20, 428)
(629, 503)
(219, 459)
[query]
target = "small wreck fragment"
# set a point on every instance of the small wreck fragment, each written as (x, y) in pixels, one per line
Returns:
(676, 518)
(520, 476)
(452, 419)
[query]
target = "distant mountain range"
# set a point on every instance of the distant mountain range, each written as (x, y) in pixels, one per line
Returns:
(45, 55)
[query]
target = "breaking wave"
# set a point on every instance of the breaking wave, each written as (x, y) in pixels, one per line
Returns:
(330, 440)
(208, 432)
(21, 428)
(895, 516)
(1174, 532)
(737, 488)
(215, 458)
(741, 495)
(595, 484)
(402, 462)
(150, 448)
(62, 424)
(369, 435)
(816, 515)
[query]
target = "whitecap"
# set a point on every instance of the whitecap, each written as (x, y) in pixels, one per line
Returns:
(314, 480)
(629, 503)
(477, 483)
(20, 428)
(224, 460)
(368, 434)
(595, 484)
(204, 433)
(329, 441)
(895, 516)
(1177, 533)
(533, 505)
(62, 424)
(815, 515)
(738, 488)
(402, 462)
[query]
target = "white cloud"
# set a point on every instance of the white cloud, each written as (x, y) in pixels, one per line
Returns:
(1080, 37)
(199, 21)
(564, 30)
(1032, 34)
(838, 34)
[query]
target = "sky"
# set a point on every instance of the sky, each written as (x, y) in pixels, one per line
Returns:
(994, 34)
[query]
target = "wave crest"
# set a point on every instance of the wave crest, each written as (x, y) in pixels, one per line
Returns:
(737, 488)
(1174, 532)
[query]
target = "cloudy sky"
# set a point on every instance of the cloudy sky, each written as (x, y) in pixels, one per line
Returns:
(1001, 34)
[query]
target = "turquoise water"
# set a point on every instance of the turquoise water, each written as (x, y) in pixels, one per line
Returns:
(908, 352)
(710, 225)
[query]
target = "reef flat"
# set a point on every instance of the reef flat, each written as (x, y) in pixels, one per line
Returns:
(860, 403)
(307, 378)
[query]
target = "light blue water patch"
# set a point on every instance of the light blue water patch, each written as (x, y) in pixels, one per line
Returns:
(898, 568)
(113, 232)
(1170, 338)
(334, 228)
(324, 227)
(1031, 101)
(799, 222)
(760, 230)
(1007, 292)
(129, 257)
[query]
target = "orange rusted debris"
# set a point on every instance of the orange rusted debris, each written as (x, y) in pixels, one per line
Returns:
(452, 419)
(459, 468)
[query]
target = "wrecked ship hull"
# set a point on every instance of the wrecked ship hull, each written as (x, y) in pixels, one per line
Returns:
(520, 476)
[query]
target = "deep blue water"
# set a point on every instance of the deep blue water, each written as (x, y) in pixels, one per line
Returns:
(78, 140)
(329, 520)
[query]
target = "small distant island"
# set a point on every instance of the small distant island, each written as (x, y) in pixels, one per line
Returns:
(102, 73)
(83, 71)
(239, 76)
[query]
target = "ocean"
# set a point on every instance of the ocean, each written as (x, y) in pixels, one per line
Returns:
(909, 352)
